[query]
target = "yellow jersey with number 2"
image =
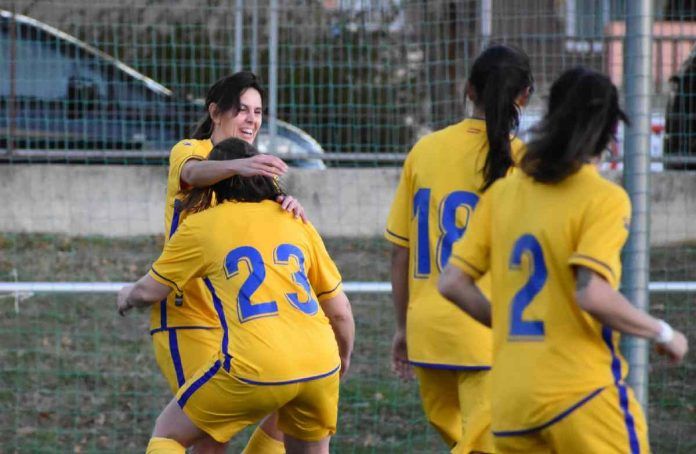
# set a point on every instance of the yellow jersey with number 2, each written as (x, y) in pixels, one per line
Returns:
(550, 356)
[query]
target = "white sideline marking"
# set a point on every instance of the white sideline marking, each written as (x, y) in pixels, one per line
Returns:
(349, 287)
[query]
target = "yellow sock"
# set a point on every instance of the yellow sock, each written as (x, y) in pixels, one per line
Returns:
(262, 443)
(159, 445)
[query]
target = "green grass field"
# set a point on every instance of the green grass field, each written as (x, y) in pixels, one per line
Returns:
(75, 377)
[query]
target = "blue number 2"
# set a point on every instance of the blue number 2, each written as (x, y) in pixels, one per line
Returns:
(519, 327)
(257, 273)
(449, 231)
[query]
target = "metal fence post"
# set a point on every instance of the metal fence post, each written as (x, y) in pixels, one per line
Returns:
(238, 35)
(638, 84)
(273, 75)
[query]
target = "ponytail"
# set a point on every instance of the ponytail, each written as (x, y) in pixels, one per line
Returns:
(203, 129)
(502, 116)
(499, 76)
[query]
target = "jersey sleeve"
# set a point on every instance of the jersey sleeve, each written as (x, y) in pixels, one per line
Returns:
(604, 231)
(181, 260)
(398, 222)
(182, 152)
(323, 274)
(471, 253)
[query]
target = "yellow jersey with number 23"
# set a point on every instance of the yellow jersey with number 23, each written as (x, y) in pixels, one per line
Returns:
(267, 273)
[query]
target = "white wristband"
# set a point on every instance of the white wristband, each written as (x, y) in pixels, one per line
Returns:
(666, 333)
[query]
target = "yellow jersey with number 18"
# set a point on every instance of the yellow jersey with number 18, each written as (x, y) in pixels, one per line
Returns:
(191, 307)
(267, 273)
(550, 356)
(437, 193)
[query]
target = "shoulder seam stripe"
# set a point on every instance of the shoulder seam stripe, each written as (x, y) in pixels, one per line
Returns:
(152, 268)
(594, 260)
(395, 235)
(330, 291)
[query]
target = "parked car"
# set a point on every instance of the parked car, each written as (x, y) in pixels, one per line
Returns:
(59, 93)
(680, 119)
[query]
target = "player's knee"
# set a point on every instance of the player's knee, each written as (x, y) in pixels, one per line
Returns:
(165, 425)
(296, 446)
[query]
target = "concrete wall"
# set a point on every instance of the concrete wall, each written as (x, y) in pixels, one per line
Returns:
(129, 200)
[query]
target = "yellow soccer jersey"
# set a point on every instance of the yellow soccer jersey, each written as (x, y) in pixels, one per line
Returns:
(266, 272)
(193, 307)
(550, 356)
(438, 192)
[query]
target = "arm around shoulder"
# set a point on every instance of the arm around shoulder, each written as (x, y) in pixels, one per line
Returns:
(202, 173)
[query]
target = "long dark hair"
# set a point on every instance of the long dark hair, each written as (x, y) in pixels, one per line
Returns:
(582, 117)
(237, 188)
(225, 93)
(499, 76)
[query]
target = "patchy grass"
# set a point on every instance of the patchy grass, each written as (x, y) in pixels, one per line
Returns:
(76, 377)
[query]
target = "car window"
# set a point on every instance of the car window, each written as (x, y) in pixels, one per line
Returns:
(41, 71)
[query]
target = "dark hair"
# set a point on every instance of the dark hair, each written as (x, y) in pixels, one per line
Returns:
(225, 93)
(499, 75)
(237, 188)
(582, 117)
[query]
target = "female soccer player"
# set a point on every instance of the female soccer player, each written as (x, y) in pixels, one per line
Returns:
(185, 328)
(551, 237)
(287, 325)
(443, 176)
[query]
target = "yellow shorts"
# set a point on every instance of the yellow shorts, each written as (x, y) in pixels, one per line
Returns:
(611, 422)
(456, 403)
(221, 405)
(180, 352)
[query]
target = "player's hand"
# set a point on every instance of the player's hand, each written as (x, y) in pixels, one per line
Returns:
(676, 349)
(261, 164)
(400, 364)
(290, 204)
(345, 365)
(122, 303)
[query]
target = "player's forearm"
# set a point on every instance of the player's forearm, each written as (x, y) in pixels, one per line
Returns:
(459, 287)
(205, 173)
(344, 331)
(399, 279)
(146, 292)
(612, 309)
(340, 315)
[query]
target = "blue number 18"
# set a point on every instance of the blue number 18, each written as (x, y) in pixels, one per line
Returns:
(449, 230)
